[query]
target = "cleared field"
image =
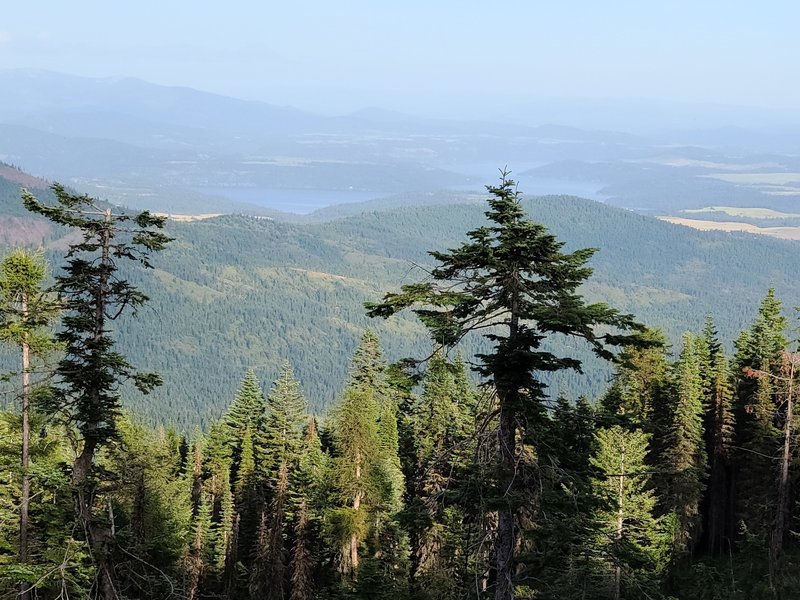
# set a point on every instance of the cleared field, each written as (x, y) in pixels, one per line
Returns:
(187, 218)
(752, 213)
(757, 178)
(786, 233)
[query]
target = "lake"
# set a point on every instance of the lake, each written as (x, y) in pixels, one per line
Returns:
(303, 202)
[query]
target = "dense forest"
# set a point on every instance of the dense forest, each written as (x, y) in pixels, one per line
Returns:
(457, 473)
(235, 292)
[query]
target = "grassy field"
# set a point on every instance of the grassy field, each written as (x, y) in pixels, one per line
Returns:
(785, 233)
(781, 179)
(751, 213)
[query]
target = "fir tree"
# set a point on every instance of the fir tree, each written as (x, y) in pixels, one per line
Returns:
(25, 311)
(628, 541)
(685, 458)
(756, 434)
(92, 295)
(302, 560)
(719, 428)
(286, 416)
(267, 576)
(511, 277)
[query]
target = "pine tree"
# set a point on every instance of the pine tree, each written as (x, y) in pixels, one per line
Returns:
(511, 277)
(92, 295)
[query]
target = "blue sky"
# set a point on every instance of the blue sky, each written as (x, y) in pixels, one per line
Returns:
(413, 55)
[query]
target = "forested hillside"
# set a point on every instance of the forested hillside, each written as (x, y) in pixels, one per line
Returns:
(235, 292)
(677, 479)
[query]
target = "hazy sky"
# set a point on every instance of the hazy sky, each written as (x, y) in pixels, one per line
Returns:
(413, 55)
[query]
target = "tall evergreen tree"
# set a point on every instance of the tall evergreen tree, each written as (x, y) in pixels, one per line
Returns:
(636, 395)
(287, 414)
(248, 407)
(25, 313)
(442, 422)
(628, 541)
(92, 295)
(511, 278)
(267, 579)
(719, 427)
(357, 447)
(757, 437)
(685, 458)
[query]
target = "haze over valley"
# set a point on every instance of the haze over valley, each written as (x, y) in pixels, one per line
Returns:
(418, 301)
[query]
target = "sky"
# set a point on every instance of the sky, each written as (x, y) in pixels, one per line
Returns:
(422, 56)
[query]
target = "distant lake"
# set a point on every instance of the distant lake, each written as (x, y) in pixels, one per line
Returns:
(300, 202)
(530, 185)
(303, 202)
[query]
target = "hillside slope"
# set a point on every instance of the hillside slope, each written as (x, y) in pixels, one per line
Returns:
(232, 293)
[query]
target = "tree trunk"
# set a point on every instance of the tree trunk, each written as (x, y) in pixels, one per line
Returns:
(620, 524)
(354, 561)
(25, 496)
(506, 533)
(98, 537)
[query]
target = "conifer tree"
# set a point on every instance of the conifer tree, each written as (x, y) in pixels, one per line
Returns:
(757, 437)
(441, 426)
(25, 313)
(719, 428)
(628, 541)
(267, 576)
(357, 450)
(685, 458)
(247, 467)
(302, 559)
(247, 408)
(92, 295)
(286, 417)
(513, 279)
(639, 378)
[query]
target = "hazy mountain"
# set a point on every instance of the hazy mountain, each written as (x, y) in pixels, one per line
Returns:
(183, 150)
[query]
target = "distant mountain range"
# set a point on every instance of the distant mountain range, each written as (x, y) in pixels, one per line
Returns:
(183, 150)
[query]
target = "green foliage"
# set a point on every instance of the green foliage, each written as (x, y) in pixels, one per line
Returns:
(685, 456)
(512, 283)
(629, 543)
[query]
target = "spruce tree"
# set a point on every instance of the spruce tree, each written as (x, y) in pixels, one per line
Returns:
(357, 451)
(513, 280)
(286, 417)
(441, 422)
